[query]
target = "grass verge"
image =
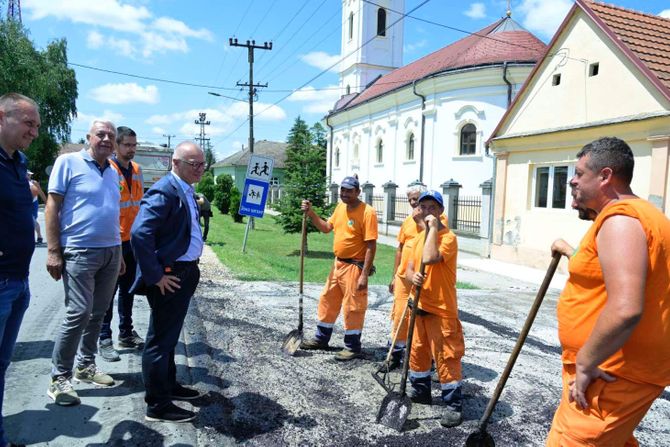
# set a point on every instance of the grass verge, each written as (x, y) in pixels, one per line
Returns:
(272, 255)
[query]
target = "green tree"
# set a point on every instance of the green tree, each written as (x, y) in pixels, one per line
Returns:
(224, 184)
(319, 135)
(206, 186)
(44, 76)
(305, 177)
(210, 159)
(235, 199)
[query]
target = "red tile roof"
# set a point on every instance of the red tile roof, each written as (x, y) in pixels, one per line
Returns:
(646, 35)
(501, 41)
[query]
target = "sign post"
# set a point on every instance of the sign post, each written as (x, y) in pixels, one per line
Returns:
(255, 192)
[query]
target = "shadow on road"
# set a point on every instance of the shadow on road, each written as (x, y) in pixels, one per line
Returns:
(31, 350)
(72, 422)
(127, 433)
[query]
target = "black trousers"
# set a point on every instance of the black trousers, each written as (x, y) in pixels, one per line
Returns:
(168, 311)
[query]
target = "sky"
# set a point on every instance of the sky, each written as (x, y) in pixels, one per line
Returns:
(188, 43)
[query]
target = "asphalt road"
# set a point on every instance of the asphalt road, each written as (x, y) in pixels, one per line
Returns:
(257, 396)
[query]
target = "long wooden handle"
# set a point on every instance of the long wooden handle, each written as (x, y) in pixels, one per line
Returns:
(520, 341)
(303, 242)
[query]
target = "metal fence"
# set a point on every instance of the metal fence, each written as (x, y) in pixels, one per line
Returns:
(468, 213)
(378, 205)
(402, 208)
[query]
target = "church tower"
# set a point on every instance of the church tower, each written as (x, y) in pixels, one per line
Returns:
(362, 21)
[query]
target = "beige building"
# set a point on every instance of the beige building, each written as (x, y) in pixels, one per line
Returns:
(606, 72)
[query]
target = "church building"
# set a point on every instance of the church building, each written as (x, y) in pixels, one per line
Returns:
(427, 120)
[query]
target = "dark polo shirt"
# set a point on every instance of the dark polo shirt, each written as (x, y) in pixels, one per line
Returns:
(17, 240)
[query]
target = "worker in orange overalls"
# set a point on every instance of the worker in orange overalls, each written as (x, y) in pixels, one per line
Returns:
(614, 312)
(438, 334)
(355, 244)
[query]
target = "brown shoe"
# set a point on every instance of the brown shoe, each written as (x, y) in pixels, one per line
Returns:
(313, 343)
(345, 355)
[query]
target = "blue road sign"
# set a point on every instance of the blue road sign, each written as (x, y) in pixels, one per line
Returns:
(253, 198)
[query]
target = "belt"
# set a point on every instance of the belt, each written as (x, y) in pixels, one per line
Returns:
(181, 265)
(186, 263)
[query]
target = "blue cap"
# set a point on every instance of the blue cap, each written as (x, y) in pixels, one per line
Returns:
(350, 183)
(432, 194)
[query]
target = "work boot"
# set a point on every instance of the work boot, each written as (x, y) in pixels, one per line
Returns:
(132, 341)
(420, 390)
(313, 344)
(61, 391)
(91, 374)
(107, 351)
(347, 354)
(452, 397)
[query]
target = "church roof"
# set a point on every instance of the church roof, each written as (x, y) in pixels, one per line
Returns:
(502, 41)
(273, 149)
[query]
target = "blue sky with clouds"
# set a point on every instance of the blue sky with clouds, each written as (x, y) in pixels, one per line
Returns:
(188, 42)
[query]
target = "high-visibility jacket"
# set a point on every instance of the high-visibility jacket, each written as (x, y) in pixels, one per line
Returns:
(130, 198)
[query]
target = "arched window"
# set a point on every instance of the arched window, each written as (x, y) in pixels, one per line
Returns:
(355, 157)
(380, 152)
(409, 153)
(351, 26)
(468, 139)
(381, 22)
(337, 157)
(348, 90)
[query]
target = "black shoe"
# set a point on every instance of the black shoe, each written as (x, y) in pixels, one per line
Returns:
(171, 413)
(12, 444)
(313, 343)
(451, 418)
(419, 397)
(184, 393)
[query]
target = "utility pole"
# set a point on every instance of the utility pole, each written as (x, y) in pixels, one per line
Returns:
(203, 122)
(251, 46)
(168, 136)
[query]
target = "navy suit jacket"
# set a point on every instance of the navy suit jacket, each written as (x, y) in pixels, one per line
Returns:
(161, 232)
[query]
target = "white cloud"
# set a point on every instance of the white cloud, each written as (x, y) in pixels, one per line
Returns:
(158, 130)
(317, 101)
(476, 11)
(86, 119)
(94, 40)
(410, 47)
(543, 16)
(159, 35)
(223, 119)
(125, 93)
(665, 13)
(321, 60)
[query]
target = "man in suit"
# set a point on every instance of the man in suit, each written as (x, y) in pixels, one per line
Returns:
(167, 243)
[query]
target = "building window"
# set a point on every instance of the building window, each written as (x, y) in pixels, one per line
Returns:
(593, 69)
(409, 155)
(556, 79)
(337, 157)
(355, 155)
(274, 181)
(381, 22)
(380, 152)
(551, 186)
(351, 26)
(468, 140)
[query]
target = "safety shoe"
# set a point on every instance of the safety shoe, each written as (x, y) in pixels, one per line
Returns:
(346, 354)
(451, 418)
(91, 374)
(313, 343)
(61, 391)
(107, 351)
(132, 341)
(420, 397)
(181, 392)
(171, 413)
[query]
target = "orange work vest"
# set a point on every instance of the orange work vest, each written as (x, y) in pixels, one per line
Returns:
(130, 199)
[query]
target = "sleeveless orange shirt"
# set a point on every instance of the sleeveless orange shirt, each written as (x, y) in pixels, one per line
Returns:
(645, 357)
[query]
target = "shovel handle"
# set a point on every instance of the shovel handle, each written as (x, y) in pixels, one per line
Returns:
(303, 242)
(410, 327)
(521, 340)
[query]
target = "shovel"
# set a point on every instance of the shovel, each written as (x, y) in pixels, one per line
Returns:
(294, 338)
(481, 438)
(395, 407)
(384, 368)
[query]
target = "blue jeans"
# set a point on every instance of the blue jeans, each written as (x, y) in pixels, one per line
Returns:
(14, 299)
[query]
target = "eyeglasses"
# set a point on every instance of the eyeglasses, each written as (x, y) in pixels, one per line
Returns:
(193, 164)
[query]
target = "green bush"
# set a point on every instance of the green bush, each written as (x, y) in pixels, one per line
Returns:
(206, 186)
(224, 184)
(235, 199)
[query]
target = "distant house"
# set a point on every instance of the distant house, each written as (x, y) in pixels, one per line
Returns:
(606, 72)
(68, 148)
(236, 165)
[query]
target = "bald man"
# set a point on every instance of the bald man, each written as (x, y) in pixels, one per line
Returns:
(167, 243)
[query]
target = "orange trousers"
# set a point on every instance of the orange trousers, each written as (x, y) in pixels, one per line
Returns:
(615, 409)
(340, 293)
(440, 339)
(401, 293)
